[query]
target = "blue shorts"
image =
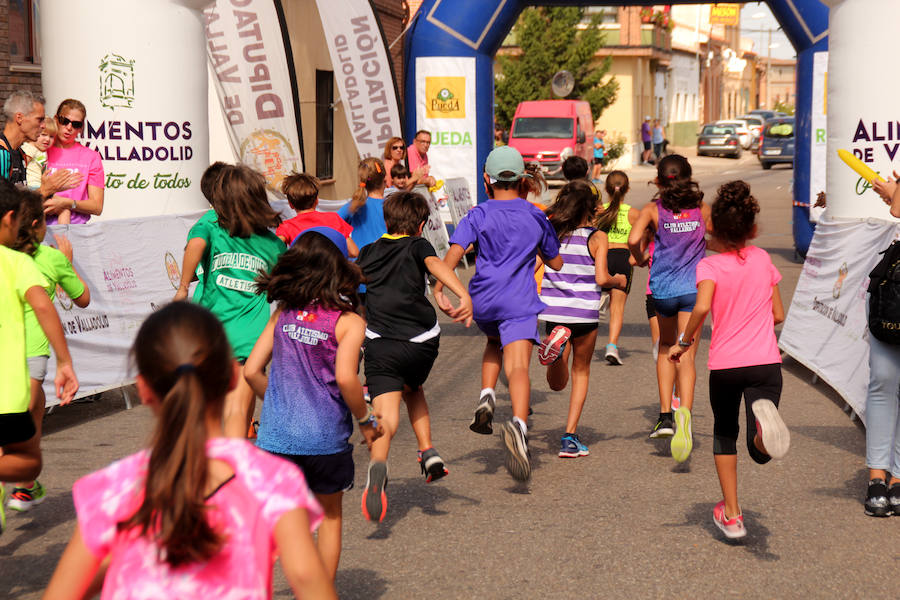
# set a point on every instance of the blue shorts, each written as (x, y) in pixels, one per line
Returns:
(669, 307)
(511, 330)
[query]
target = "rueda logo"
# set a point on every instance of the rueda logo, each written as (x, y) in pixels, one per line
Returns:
(446, 97)
(271, 154)
(172, 270)
(116, 82)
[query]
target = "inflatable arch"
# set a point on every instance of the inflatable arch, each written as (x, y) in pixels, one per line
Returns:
(470, 33)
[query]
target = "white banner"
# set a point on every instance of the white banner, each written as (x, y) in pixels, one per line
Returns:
(445, 86)
(132, 267)
(459, 200)
(819, 142)
(361, 66)
(139, 67)
(253, 76)
(826, 328)
(434, 231)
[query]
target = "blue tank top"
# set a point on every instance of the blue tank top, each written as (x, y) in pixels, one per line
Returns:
(303, 411)
(678, 247)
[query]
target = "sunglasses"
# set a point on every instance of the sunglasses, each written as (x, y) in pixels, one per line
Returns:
(66, 121)
(396, 147)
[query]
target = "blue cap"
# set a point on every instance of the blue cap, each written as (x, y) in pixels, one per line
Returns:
(332, 234)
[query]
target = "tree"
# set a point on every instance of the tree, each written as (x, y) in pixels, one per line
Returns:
(551, 41)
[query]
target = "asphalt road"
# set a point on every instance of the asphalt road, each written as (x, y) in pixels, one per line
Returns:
(624, 522)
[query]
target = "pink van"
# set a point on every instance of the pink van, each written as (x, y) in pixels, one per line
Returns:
(549, 131)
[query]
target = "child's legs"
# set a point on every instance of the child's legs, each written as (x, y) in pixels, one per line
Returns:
(491, 362)
(516, 357)
(763, 382)
(239, 406)
(665, 369)
(725, 390)
(558, 371)
(685, 370)
(617, 300)
(387, 407)
(329, 534)
(582, 353)
(419, 416)
(21, 457)
(38, 400)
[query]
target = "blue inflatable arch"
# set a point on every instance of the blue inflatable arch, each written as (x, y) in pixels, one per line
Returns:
(476, 28)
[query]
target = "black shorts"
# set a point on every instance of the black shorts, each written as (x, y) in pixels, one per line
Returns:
(648, 145)
(577, 329)
(651, 307)
(598, 160)
(392, 364)
(726, 386)
(16, 427)
(617, 263)
(325, 473)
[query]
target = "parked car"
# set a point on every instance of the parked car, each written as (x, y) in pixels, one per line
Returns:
(718, 140)
(755, 123)
(777, 142)
(742, 128)
(549, 131)
(765, 114)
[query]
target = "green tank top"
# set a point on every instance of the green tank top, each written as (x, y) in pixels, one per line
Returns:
(619, 232)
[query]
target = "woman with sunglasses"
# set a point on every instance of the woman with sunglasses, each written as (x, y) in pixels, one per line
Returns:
(394, 153)
(86, 198)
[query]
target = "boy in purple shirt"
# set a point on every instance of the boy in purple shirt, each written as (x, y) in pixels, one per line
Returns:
(508, 233)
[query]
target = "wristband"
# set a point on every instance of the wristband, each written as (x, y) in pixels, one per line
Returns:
(682, 343)
(74, 204)
(369, 419)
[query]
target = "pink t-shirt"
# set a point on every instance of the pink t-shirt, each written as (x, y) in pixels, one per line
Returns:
(414, 159)
(245, 509)
(743, 329)
(84, 160)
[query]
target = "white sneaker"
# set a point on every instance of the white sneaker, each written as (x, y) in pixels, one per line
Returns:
(771, 428)
(612, 355)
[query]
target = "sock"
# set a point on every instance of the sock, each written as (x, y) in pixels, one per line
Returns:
(522, 423)
(488, 390)
(667, 415)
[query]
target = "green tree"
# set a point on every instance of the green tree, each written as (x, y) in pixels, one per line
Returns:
(551, 40)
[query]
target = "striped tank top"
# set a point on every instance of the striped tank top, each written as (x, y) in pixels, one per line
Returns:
(619, 232)
(679, 246)
(572, 294)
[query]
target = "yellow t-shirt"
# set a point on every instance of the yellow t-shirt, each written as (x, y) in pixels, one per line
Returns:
(17, 275)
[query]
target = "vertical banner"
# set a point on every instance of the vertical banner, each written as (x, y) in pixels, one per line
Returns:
(445, 86)
(252, 64)
(140, 69)
(362, 68)
(819, 138)
(434, 231)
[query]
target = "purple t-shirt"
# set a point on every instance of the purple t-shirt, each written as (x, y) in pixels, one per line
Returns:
(303, 411)
(508, 234)
(646, 136)
(678, 246)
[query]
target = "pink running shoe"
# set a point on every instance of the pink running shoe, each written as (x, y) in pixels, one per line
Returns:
(553, 345)
(733, 528)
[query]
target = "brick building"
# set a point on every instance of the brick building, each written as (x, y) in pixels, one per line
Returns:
(20, 66)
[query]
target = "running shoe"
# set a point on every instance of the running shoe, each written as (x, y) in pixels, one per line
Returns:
(571, 447)
(733, 528)
(683, 440)
(432, 465)
(483, 420)
(374, 500)
(612, 355)
(894, 499)
(776, 438)
(664, 428)
(553, 345)
(518, 458)
(22, 499)
(877, 503)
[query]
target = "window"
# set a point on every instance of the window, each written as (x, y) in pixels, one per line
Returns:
(24, 32)
(542, 127)
(324, 124)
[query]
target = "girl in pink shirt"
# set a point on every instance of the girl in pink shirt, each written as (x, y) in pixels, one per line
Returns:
(197, 515)
(740, 286)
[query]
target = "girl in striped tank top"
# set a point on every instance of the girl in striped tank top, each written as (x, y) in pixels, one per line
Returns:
(572, 296)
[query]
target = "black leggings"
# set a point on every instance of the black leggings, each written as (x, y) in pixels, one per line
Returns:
(726, 386)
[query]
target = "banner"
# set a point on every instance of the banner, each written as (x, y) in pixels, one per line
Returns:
(445, 86)
(434, 231)
(132, 267)
(359, 57)
(139, 67)
(253, 67)
(459, 201)
(826, 328)
(724, 14)
(818, 155)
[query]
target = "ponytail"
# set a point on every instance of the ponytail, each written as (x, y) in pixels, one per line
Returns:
(371, 178)
(616, 188)
(183, 355)
(677, 191)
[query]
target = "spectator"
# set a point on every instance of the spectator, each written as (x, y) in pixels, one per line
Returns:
(658, 136)
(599, 154)
(394, 154)
(646, 138)
(417, 157)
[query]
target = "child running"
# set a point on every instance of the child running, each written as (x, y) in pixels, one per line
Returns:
(56, 267)
(572, 296)
(402, 336)
(364, 212)
(617, 220)
(232, 244)
(302, 192)
(679, 222)
(740, 286)
(196, 515)
(508, 234)
(313, 340)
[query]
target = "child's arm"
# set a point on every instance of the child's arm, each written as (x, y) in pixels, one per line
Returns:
(451, 260)
(777, 306)
(352, 248)
(193, 254)
(299, 558)
(705, 290)
(598, 246)
(555, 263)
(636, 236)
(255, 367)
(65, 246)
(351, 331)
(65, 381)
(75, 571)
(446, 276)
(64, 217)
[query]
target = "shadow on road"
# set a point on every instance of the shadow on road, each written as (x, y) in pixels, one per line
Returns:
(756, 543)
(407, 494)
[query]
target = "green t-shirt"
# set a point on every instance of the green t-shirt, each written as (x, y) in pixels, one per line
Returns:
(230, 265)
(17, 275)
(57, 269)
